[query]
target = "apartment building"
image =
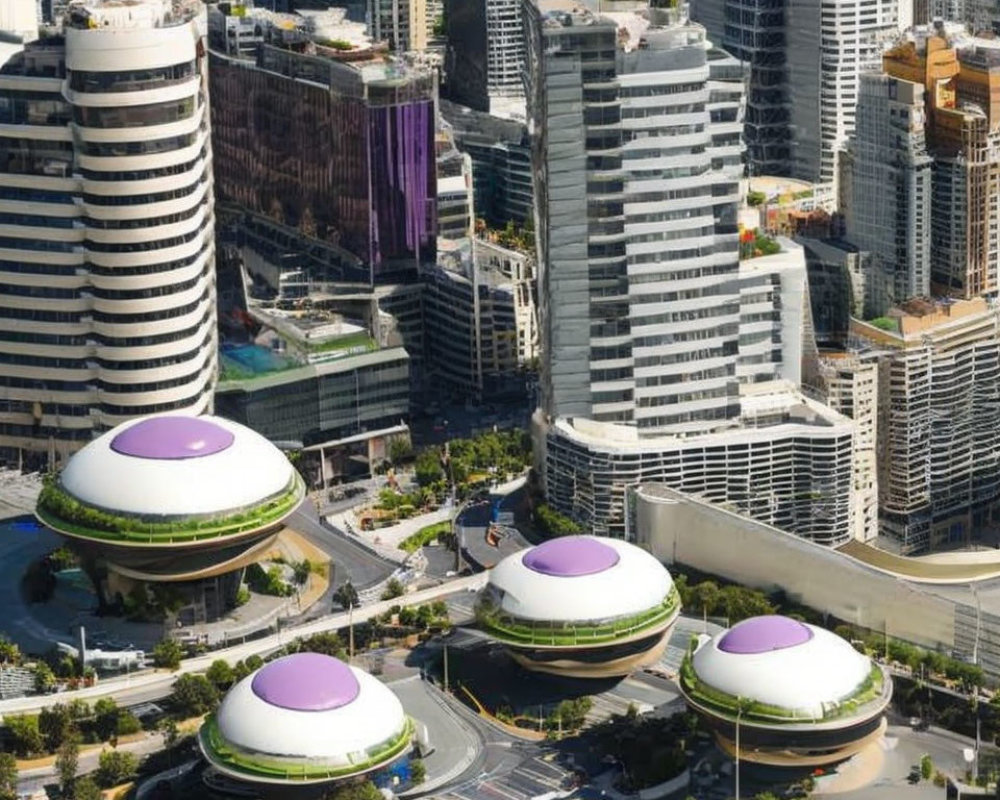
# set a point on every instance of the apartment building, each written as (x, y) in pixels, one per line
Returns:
(480, 320)
(107, 305)
(961, 79)
(402, 24)
(939, 420)
(501, 162)
(886, 189)
(849, 385)
(637, 157)
(805, 58)
(664, 357)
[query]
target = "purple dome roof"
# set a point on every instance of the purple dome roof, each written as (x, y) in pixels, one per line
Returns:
(570, 557)
(169, 438)
(763, 634)
(306, 682)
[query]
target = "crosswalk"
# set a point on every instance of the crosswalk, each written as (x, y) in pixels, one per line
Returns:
(530, 778)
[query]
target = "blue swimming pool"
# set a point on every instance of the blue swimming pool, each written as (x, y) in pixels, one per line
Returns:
(252, 359)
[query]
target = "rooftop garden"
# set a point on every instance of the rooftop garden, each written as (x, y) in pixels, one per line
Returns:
(61, 511)
(872, 688)
(222, 753)
(885, 324)
(573, 634)
(359, 341)
(754, 244)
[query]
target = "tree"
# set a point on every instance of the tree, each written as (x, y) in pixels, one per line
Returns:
(220, 674)
(301, 571)
(54, 723)
(171, 733)
(167, 654)
(115, 767)
(67, 762)
(194, 695)
(8, 776)
(45, 678)
(427, 468)
(86, 789)
(347, 596)
(418, 772)
(356, 791)
(10, 653)
(24, 735)
(127, 723)
(254, 663)
(926, 767)
(106, 718)
(329, 644)
(393, 589)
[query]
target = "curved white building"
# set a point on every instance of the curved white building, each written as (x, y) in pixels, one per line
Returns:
(106, 226)
(306, 719)
(803, 695)
(580, 605)
(172, 498)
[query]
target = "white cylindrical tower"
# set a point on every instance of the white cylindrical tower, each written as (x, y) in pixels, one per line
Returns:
(136, 83)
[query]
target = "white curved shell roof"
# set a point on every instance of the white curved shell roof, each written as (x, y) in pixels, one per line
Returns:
(637, 582)
(242, 470)
(817, 669)
(328, 735)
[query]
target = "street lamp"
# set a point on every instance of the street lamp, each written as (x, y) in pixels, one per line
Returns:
(739, 714)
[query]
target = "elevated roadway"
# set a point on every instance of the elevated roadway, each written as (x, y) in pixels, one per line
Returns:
(151, 685)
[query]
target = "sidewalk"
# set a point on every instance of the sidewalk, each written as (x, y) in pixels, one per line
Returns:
(386, 541)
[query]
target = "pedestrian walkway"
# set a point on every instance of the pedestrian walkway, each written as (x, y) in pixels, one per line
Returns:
(386, 541)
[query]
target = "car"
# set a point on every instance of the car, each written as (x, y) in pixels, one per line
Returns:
(914, 776)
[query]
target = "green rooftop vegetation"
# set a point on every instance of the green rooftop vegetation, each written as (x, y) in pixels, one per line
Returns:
(61, 511)
(568, 634)
(885, 324)
(259, 765)
(726, 705)
(359, 341)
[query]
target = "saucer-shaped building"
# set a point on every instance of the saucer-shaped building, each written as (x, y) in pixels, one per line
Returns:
(172, 499)
(305, 719)
(580, 606)
(803, 695)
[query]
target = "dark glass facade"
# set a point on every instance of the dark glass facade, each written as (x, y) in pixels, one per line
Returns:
(312, 145)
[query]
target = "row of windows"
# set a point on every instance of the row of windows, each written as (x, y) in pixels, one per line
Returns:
(150, 269)
(143, 174)
(36, 220)
(155, 408)
(35, 195)
(145, 222)
(148, 316)
(47, 245)
(134, 116)
(147, 246)
(142, 199)
(151, 147)
(665, 359)
(130, 80)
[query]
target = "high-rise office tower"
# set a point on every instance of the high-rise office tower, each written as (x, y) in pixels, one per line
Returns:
(107, 281)
(638, 152)
(961, 76)
(754, 32)
(886, 190)
(334, 147)
(485, 56)
(804, 59)
(664, 358)
(830, 44)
